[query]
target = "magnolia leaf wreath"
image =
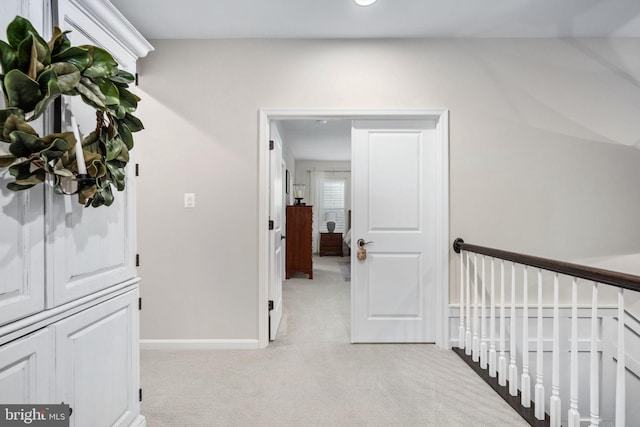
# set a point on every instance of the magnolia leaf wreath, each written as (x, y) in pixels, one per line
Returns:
(35, 73)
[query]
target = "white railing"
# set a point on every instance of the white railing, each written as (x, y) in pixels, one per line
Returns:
(485, 347)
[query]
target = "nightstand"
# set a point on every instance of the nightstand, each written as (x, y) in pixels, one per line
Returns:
(331, 244)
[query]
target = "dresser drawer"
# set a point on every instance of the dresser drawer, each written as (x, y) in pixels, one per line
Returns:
(330, 244)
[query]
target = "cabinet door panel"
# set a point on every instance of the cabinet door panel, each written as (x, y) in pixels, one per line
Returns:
(89, 249)
(97, 360)
(21, 225)
(26, 369)
(21, 252)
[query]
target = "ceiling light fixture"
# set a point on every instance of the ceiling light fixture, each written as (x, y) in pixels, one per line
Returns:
(364, 2)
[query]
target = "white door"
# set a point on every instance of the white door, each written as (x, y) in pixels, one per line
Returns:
(394, 198)
(276, 248)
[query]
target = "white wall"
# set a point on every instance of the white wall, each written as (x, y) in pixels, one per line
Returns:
(539, 152)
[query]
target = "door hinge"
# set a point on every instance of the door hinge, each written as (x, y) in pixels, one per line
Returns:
(270, 305)
(140, 303)
(137, 260)
(137, 169)
(137, 79)
(271, 225)
(271, 145)
(140, 394)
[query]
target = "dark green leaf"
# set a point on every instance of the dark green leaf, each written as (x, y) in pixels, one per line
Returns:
(125, 134)
(103, 196)
(113, 146)
(51, 92)
(21, 170)
(8, 57)
(128, 100)
(91, 92)
(117, 176)
(123, 156)
(133, 123)
(27, 58)
(68, 75)
(20, 29)
(35, 179)
(24, 144)
(22, 91)
(13, 186)
(109, 90)
(56, 150)
(78, 56)
(123, 77)
(103, 64)
(119, 112)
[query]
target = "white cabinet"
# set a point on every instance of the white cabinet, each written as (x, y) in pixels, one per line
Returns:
(26, 369)
(96, 352)
(68, 285)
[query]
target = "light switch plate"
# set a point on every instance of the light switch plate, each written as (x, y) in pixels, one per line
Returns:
(189, 200)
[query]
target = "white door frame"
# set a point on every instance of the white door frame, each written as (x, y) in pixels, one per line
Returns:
(441, 316)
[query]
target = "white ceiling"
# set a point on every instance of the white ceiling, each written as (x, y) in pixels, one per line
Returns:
(328, 140)
(195, 19)
(206, 19)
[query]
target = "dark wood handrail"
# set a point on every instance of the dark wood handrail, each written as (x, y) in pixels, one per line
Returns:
(614, 278)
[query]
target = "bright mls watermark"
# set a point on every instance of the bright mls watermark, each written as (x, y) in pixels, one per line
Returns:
(34, 415)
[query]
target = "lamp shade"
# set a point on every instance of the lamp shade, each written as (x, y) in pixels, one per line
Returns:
(331, 216)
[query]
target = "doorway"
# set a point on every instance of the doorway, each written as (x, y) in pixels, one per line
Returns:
(439, 134)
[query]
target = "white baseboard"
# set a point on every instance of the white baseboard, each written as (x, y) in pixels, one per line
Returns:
(140, 421)
(211, 344)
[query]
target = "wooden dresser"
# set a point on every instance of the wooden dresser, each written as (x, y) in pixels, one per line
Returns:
(298, 238)
(330, 244)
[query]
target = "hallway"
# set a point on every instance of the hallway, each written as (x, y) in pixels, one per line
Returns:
(313, 376)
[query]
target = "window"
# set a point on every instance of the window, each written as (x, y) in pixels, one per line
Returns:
(332, 204)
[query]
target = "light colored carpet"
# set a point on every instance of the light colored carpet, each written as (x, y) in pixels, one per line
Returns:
(313, 376)
(345, 268)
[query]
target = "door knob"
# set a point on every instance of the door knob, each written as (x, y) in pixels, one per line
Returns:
(282, 237)
(362, 243)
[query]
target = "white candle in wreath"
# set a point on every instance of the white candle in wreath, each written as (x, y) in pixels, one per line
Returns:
(82, 167)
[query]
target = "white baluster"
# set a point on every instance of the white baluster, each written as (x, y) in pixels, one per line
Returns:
(555, 403)
(502, 360)
(594, 381)
(492, 323)
(525, 379)
(620, 367)
(513, 368)
(467, 345)
(483, 321)
(539, 389)
(476, 339)
(461, 328)
(574, 415)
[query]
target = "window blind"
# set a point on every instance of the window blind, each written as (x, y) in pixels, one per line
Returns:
(333, 195)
